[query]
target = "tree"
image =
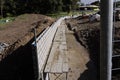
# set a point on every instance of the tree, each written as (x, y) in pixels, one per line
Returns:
(1, 7)
(74, 4)
(60, 4)
(69, 5)
(17, 7)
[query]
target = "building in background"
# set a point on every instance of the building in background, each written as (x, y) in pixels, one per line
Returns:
(89, 7)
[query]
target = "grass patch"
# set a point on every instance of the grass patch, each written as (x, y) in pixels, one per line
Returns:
(22, 16)
(61, 14)
(6, 20)
(89, 12)
(57, 15)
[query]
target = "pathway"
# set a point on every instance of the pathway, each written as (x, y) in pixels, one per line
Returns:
(67, 55)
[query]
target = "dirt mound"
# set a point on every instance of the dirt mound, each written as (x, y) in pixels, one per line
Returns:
(21, 26)
(16, 61)
(19, 32)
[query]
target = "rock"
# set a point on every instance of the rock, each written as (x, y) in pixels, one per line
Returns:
(3, 46)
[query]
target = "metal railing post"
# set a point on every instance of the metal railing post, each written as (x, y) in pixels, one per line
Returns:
(106, 39)
(37, 75)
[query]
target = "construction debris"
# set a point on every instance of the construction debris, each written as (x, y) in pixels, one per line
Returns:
(3, 46)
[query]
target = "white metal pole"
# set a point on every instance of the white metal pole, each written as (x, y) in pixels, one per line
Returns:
(106, 39)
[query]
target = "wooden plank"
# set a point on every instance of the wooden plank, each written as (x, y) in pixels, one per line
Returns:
(64, 43)
(57, 62)
(61, 38)
(47, 68)
(57, 37)
(56, 68)
(65, 67)
(49, 63)
(65, 62)
(51, 57)
(65, 59)
(63, 47)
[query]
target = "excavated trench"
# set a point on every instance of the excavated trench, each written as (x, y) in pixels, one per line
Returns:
(19, 64)
(88, 34)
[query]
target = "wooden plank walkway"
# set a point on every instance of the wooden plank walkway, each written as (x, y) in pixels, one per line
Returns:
(58, 62)
(73, 57)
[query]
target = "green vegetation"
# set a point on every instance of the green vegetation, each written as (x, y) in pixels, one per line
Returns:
(17, 7)
(6, 20)
(55, 15)
(90, 12)
(61, 14)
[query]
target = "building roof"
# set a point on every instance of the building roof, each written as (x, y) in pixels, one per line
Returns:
(89, 6)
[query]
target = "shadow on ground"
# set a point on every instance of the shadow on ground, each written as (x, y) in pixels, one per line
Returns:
(18, 65)
(90, 73)
(92, 43)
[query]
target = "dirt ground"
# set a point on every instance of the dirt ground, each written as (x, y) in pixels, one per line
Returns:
(21, 26)
(20, 31)
(88, 34)
(80, 65)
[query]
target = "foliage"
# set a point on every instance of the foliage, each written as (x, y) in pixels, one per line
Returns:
(5, 21)
(17, 7)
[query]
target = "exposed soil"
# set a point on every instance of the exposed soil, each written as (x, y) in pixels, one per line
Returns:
(20, 32)
(80, 65)
(16, 62)
(18, 65)
(21, 26)
(88, 34)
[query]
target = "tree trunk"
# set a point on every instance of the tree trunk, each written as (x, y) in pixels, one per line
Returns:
(1, 1)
